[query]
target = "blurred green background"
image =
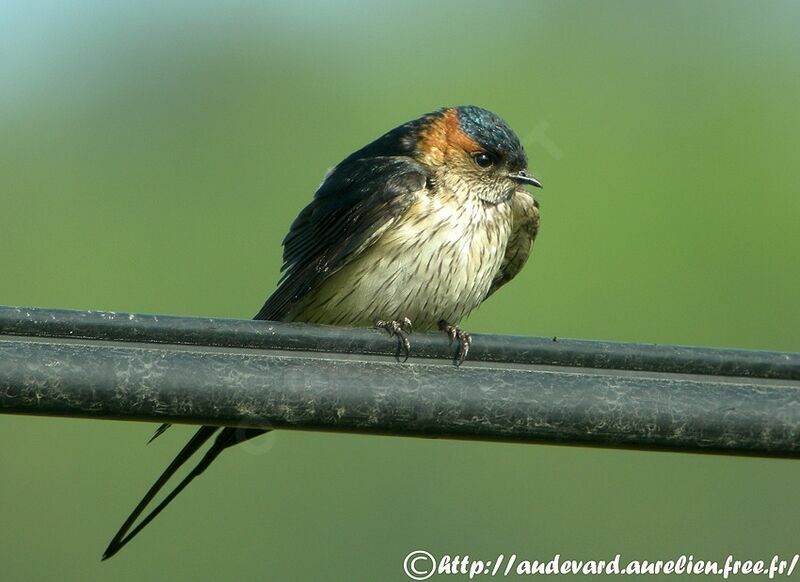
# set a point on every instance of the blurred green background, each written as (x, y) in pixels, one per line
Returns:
(153, 155)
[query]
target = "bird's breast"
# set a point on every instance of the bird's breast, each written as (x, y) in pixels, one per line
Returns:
(435, 262)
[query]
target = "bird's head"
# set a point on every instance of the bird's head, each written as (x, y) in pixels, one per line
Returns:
(469, 147)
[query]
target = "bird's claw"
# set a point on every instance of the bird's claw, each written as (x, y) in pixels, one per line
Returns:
(456, 333)
(399, 329)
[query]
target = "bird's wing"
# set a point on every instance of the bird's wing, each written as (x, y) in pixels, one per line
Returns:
(525, 225)
(354, 206)
(159, 431)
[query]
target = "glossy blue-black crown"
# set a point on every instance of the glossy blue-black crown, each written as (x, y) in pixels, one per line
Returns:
(492, 133)
(483, 126)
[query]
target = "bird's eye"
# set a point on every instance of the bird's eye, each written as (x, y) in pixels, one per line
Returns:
(483, 160)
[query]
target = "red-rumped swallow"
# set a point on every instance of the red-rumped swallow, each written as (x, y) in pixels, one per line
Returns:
(419, 227)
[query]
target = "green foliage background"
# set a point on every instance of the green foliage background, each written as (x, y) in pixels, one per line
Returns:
(152, 156)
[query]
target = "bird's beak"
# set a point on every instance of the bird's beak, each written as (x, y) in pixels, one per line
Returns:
(523, 177)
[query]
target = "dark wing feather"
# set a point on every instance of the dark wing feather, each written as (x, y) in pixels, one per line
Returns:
(525, 216)
(355, 204)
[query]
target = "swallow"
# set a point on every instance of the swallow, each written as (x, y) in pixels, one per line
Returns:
(414, 230)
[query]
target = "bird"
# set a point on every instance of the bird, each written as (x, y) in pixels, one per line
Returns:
(412, 231)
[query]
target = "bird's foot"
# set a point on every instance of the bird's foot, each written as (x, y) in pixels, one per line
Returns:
(456, 333)
(399, 329)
